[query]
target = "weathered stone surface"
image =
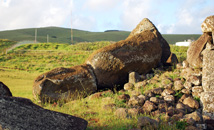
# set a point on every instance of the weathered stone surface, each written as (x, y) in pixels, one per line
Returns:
(165, 81)
(157, 91)
(135, 101)
(186, 91)
(140, 84)
(133, 111)
(186, 72)
(207, 71)
(149, 93)
(180, 106)
(194, 57)
(195, 80)
(179, 66)
(121, 112)
(134, 77)
(149, 106)
(207, 98)
(112, 63)
(197, 90)
(22, 114)
(4, 90)
(208, 24)
(146, 24)
(185, 64)
(146, 123)
(143, 97)
(167, 92)
(195, 116)
(134, 93)
(188, 85)
(65, 83)
(154, 100)
(191, 103)
(178, 85)
(184, 97)
(169, 98)
(128, 86)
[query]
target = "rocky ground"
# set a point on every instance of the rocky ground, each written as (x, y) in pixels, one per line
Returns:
(172, 95)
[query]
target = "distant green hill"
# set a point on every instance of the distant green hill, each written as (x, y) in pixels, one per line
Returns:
(63, 35)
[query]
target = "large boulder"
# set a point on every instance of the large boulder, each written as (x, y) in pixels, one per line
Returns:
(65, 83)
(194, 56)
(112, 64)
(146, 24)
(22, 114)
(208, 24)
(4, 90)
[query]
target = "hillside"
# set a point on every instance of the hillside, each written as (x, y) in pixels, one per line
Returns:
(63, 35)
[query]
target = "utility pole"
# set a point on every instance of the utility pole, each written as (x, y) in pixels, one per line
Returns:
(35, 35)
(47, 38)
(72, 39)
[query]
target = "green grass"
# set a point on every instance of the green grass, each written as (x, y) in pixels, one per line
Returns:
(21, 66)
(180, 52)
(5, 43)
(46, 56)
(63, 35)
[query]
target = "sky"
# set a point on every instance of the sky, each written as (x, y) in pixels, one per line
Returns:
(169, 16)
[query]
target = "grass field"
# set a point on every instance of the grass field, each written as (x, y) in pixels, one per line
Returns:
(19, 68)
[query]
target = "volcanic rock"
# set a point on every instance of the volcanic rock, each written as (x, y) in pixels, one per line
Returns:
(146, 24)
(208, 24)
(191, 103)
(65, 83)
(22, 114)
(4, 90)
(194, 57)
(113, 63)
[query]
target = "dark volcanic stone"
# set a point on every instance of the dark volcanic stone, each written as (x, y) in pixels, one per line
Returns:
(22, 114)
(4, 90)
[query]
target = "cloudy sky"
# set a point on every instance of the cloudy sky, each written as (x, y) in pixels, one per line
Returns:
(169, 16)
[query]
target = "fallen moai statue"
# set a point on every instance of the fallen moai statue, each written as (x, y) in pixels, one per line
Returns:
(107, 67)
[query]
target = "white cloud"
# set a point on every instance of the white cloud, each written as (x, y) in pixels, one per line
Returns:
(100, 5)
(134, 11)
(30, 13)
(5, 3)
(83, 23)
(183, 16)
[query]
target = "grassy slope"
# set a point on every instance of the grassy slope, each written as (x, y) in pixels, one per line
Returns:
(20, 67)
(63, 35)
(5, 43)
